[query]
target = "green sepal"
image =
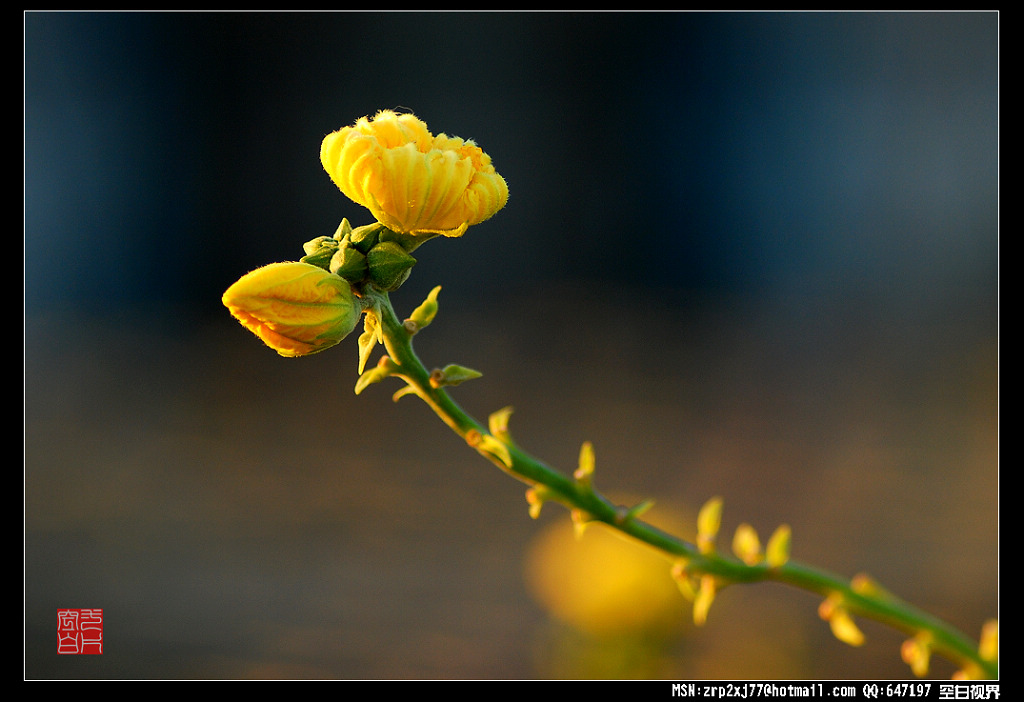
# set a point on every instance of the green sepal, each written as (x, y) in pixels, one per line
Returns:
(408, 241)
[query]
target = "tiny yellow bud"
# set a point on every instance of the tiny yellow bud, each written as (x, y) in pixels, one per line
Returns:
(916, 653)
(845, 629)
(988, 649)
(586, 463)
(493, 448)
(864, 584)
(777, 551)
(702, 603)
(296, 308)
(839, 619)
(372, 335)
(684, 580)
(580, 520)
(746, 544)
(498, 423)
(423, 315)
(535, 498)
(709, 519)
(411, 180)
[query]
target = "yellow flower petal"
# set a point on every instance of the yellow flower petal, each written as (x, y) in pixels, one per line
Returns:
(411, 180)
(295, 308)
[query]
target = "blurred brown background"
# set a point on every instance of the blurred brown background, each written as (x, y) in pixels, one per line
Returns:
(746, 255)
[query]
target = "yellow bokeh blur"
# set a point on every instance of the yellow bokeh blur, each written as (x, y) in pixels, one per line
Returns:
(602, 584)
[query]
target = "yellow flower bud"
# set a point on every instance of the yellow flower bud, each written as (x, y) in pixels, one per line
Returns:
(777, 551)
(916, 653)
(587, 461)
(989, 647)
(747, 545)
(296, 308)
(411, 180)
(709, 519)
(843, 627)
(388, 265)
(702, 602)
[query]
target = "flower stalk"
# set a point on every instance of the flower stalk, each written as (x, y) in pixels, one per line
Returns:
(846, 598)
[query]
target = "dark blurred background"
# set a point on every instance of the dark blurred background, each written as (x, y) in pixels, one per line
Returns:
(752, 255)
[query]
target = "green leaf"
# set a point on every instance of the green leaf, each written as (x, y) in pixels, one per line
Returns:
(453, 375)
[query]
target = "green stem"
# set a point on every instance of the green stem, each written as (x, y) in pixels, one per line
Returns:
(579, 495)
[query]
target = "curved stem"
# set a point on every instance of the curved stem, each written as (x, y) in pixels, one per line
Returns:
(870, 602)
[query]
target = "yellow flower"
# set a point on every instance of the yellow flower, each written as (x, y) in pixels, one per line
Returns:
(296, 308)
(411, 180)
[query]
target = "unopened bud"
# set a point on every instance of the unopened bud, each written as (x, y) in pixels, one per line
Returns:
(365, 237)
(348, 263)
(389, 265)
(319, 251)
(296, 308)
